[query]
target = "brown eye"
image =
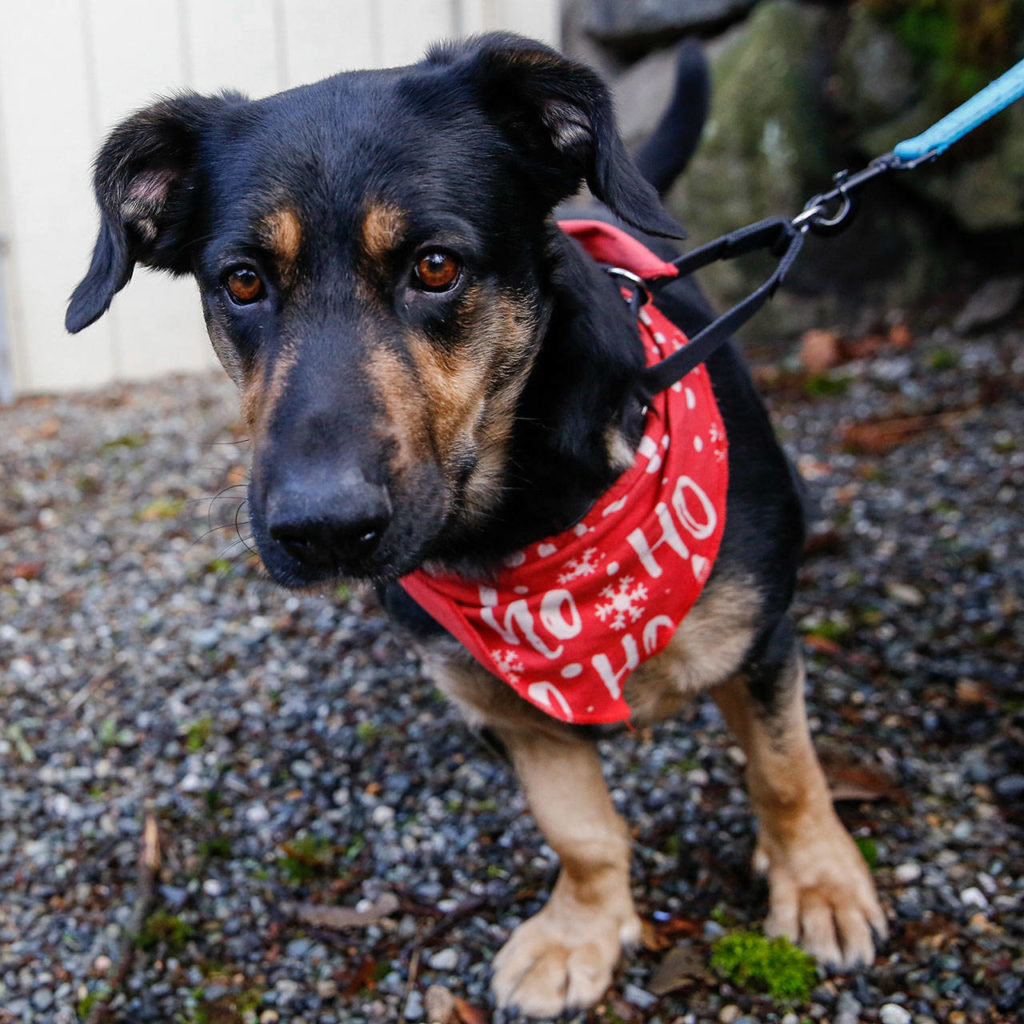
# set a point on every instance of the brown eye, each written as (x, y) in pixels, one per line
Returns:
(437, 271)
(244, 285)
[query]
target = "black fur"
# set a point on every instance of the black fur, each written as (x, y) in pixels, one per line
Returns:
(476, 145)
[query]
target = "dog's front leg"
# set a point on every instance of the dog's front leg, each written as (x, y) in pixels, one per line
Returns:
(820, 890)
(564, 956)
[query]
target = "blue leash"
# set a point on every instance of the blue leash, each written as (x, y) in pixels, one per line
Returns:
(979, 108)
(824, 214)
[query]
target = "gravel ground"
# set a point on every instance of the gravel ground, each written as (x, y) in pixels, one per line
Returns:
(291, 752)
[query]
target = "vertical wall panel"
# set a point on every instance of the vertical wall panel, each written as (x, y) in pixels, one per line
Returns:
(404, 30)
(323, 37)
(233, 44)
(48, 148)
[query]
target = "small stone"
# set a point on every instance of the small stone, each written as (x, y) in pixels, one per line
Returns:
(1010, 787)
(269, 1017)
(439, 1004)
(819, 350)
(638, 997)
(444, 960)
(907, 873)
(893, 1013)
(973, 897)
(414, 1006)
(42, 999)
(382, 814)
(728, 1014)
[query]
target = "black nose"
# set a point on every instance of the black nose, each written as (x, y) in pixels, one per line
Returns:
(334, 529)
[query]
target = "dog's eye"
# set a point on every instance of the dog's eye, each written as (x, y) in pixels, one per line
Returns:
(244, 285)
(437, 271)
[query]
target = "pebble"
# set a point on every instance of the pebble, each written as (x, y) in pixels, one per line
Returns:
(893, 1013)
(444, 960)
(291, 682)
(908, 872)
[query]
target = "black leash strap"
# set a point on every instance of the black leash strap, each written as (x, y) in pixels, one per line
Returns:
(781, 237)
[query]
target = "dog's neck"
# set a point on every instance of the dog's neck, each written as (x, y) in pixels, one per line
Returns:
(578, 419)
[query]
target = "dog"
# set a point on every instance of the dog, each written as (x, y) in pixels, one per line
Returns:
(442, 387)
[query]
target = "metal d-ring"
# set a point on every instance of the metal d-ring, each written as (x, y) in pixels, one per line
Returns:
(638, 284)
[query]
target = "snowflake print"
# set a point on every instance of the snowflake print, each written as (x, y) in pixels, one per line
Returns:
(585, 565)
(623, 600)
(508, 664)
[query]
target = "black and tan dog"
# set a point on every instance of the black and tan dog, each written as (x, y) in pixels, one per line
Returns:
(434, 375)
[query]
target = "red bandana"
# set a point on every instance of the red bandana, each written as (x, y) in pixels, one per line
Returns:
(567, 619)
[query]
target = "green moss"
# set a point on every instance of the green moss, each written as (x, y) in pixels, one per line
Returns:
(84, 1005)
(306, 858)
(820, 385)
(868, 850)
(774, 966)
(197, 733)
(959, 45)
(164, 929)
(943, 359)
(161, 508)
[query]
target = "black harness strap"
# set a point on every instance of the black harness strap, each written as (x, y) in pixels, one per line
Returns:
(779, 236)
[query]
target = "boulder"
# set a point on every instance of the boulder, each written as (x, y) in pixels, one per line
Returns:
(764, 148)
(634, 26)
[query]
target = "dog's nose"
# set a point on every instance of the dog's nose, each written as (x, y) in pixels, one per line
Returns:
(334, 530)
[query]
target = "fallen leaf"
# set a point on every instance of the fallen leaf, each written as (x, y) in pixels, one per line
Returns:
(683, 965)
(821, 644)
(24, 571)
(858, 783)
(340, 918)
(468, 1014)
(970, 691)
(876, 437)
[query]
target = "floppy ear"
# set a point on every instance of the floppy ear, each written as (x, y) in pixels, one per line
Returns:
(559, 116)
(144, 182)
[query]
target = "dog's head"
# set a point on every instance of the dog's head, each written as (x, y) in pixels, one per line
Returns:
(370, 252)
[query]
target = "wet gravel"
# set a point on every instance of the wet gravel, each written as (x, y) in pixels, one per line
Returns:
(291, 752)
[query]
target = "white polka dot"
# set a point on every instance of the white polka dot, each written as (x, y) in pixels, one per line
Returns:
(580, 529)
(612, 568)
(698, 444)
(691, 399)
(571, 671)
(546, 549)
(515, 559)
(522, 590)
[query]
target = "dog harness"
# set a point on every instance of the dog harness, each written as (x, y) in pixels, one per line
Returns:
(566, 620)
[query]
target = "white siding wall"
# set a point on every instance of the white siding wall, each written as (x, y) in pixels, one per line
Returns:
(71, 69)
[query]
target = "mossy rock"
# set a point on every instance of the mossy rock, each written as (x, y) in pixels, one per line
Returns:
(764, 146)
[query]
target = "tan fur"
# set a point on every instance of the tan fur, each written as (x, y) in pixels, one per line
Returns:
(383, 226)
(281, 233)
(261, 394)
(707, 648)
(564, 956)
(404, 420)
(821, 893)
(449, 406)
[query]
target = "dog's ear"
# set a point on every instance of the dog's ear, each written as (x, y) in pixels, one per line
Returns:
(559, 116)
(144, 182)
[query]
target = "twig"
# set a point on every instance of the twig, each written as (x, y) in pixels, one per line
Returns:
(149, 868)
(414, 970)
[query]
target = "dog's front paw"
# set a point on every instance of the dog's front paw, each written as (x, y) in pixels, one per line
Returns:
(821, 895)
(563, 957)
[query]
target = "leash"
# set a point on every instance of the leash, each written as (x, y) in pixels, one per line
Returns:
(783, 237)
